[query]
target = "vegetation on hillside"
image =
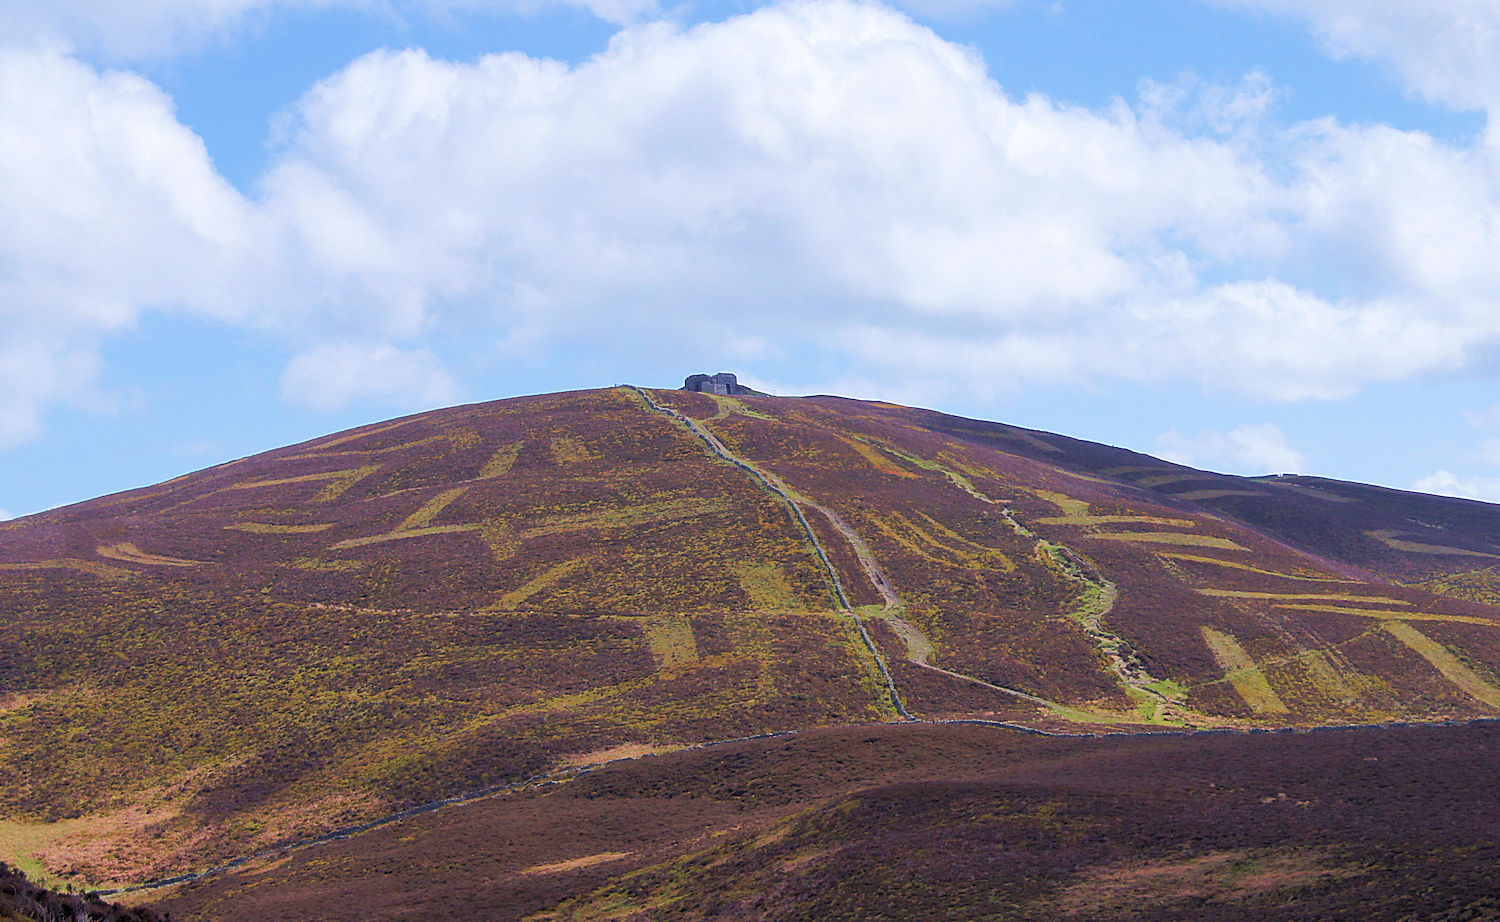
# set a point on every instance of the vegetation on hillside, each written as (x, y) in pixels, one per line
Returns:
(263, 651)
(21, 900)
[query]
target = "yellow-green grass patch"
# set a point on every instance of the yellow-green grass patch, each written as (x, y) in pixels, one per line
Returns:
(671, 639)
(1194, 496)
(729, 405)
(33, 846)
(1090, 478)
(542, 581)
(129, 553)
(949, 466)
(459, 438)
(627, 517)
(1069, 506)
(1161, 480)
(573, 864)
(1162, 537)
(1247, 568)
(338, 484)
(1340, 682)
(430, 510)
(1303, 596)
(354, 436)
(1248, 681)
(1443, 660)
(402, 535)
(768, 587)
(752, 637)
(569, 449)
(1387, 537)
(1389, 615)
(92, 567)
(589, 697)
(501, 539)
(918, 541)
(1481, 586)
(21, 843)
(876, 459)
(919, 648)
(956, 542)
(266, 528)
(500, 463)
(415, 525)
(1076, 512)
(1115, 520)
(1027, 438)
(319, 564)
(947, 460)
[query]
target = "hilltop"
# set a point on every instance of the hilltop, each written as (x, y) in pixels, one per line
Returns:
(475, 597)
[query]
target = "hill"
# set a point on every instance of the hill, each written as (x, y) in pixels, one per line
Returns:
(905, 821)
(475, 597)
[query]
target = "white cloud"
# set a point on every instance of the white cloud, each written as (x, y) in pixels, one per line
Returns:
(821, 178)
(1445, 50)
(332, 376)
(111, 207)
(1246, 449)
(5, 515)
(1445, 483)
(835, 173)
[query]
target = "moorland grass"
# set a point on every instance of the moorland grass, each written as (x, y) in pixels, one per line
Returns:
(500, 463)
(1302, 596)
(1242, 672)
(1389, 539)
(1443, 660)
(671, 639)
(1173, 538)
(128, 553)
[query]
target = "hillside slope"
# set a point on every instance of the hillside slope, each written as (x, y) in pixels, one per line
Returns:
(904, 821)
(271, 648)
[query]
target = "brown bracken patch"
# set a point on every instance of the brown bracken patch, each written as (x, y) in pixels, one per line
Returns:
(1221, 876)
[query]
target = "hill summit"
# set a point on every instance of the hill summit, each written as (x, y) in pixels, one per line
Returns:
(725, 384)
(475, 597)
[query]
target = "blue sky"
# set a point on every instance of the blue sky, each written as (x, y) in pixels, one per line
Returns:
(1250, 235)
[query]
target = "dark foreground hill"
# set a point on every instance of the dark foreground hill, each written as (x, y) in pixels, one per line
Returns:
(955, 823)
(21, 900)
(271, 649)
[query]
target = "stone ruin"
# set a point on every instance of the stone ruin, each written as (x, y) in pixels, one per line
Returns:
(721, 383)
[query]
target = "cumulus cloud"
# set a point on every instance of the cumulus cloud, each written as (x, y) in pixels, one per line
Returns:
(1446, 483)
(111, 207)
(817, 178)
(1445, 50)
(1248, 449)
(331, 376)
(835, 173)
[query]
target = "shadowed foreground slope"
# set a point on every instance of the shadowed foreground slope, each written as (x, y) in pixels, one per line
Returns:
(956, 822)
(269, 649)
(24, 901)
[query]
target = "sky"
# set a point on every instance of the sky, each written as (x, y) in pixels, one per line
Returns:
(1254, 236)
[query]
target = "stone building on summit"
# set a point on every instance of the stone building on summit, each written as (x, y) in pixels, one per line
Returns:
(721, 383)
